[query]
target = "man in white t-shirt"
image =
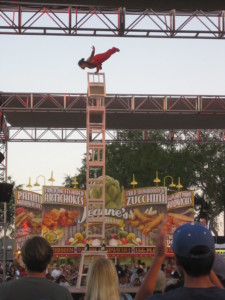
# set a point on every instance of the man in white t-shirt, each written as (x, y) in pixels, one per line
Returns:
(56, 272)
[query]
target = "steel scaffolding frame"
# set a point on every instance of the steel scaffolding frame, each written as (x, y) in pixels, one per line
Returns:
(71, 135)
(11, 103)
(126, 103)
(72, 20)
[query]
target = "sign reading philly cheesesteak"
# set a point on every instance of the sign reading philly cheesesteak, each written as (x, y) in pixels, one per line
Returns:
(180, 210)
(28, 219)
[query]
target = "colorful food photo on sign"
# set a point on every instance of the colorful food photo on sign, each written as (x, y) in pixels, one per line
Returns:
(28, 215)
(132, 216)
(180, 210)
(146, 209)
(62, 212)
(113, 193)
(115, 213)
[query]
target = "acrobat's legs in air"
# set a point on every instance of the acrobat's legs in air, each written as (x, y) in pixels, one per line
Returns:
(101, 57)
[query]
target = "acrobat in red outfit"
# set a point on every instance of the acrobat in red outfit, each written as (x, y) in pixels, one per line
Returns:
(95, 61)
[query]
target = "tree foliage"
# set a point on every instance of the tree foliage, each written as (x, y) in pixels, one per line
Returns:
(201, 167)
(209, 180)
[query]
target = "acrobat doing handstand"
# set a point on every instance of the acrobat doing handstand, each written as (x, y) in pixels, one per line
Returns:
(95, 61)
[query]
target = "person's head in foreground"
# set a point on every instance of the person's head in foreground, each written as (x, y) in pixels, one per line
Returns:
(194, 249)
(36, 254)
(102, 281)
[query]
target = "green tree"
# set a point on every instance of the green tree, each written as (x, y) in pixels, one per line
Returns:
(209, 178)
(201, 168)
(81, 177)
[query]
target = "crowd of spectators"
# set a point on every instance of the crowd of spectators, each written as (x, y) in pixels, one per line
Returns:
(194, 260)
(12, 271)
(66, 275)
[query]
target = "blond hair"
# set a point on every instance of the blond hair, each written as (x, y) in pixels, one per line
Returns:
(102, 281)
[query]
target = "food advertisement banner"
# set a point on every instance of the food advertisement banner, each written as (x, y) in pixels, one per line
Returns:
(132, 216)
(62, 213)
(112, 251)
(146, 208)
(180, 210)
(28, 215)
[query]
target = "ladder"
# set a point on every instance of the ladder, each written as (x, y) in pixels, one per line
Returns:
(95, 161)
(85, 254)
(95, 164)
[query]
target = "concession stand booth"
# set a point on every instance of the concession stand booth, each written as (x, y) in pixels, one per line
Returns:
(131, 223)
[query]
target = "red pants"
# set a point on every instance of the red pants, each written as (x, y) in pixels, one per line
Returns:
(100, 58)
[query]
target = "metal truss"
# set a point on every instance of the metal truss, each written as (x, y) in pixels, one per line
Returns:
(123, 103)
(25, 106)
(117, 136)
(71, 20)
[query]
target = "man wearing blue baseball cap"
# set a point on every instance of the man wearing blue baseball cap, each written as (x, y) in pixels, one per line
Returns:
(194, 252)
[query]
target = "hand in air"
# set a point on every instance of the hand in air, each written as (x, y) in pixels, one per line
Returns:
(93, 48)
(161, 241)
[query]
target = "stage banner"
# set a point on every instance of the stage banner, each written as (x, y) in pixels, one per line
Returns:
(112, 251)
(28, 216)
(132, 216)
(180, 210)
(62, 214)
(146, 208)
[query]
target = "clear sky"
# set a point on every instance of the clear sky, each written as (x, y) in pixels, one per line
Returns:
(143, 66)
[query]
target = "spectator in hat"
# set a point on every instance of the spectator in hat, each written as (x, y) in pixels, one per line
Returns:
(194, 251)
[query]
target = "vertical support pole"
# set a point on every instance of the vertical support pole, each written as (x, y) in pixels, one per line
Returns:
(76, 19)
(223, 21)
(5, 219)
(172, 22)
(69, 19)
(143, 135)
(31, 100)
(198, 135)
(121, 20)
(221, 24)
(199, 103)
(19, 18)
(165, 103)
(132, 104)
(4, 241)
(64, 101)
